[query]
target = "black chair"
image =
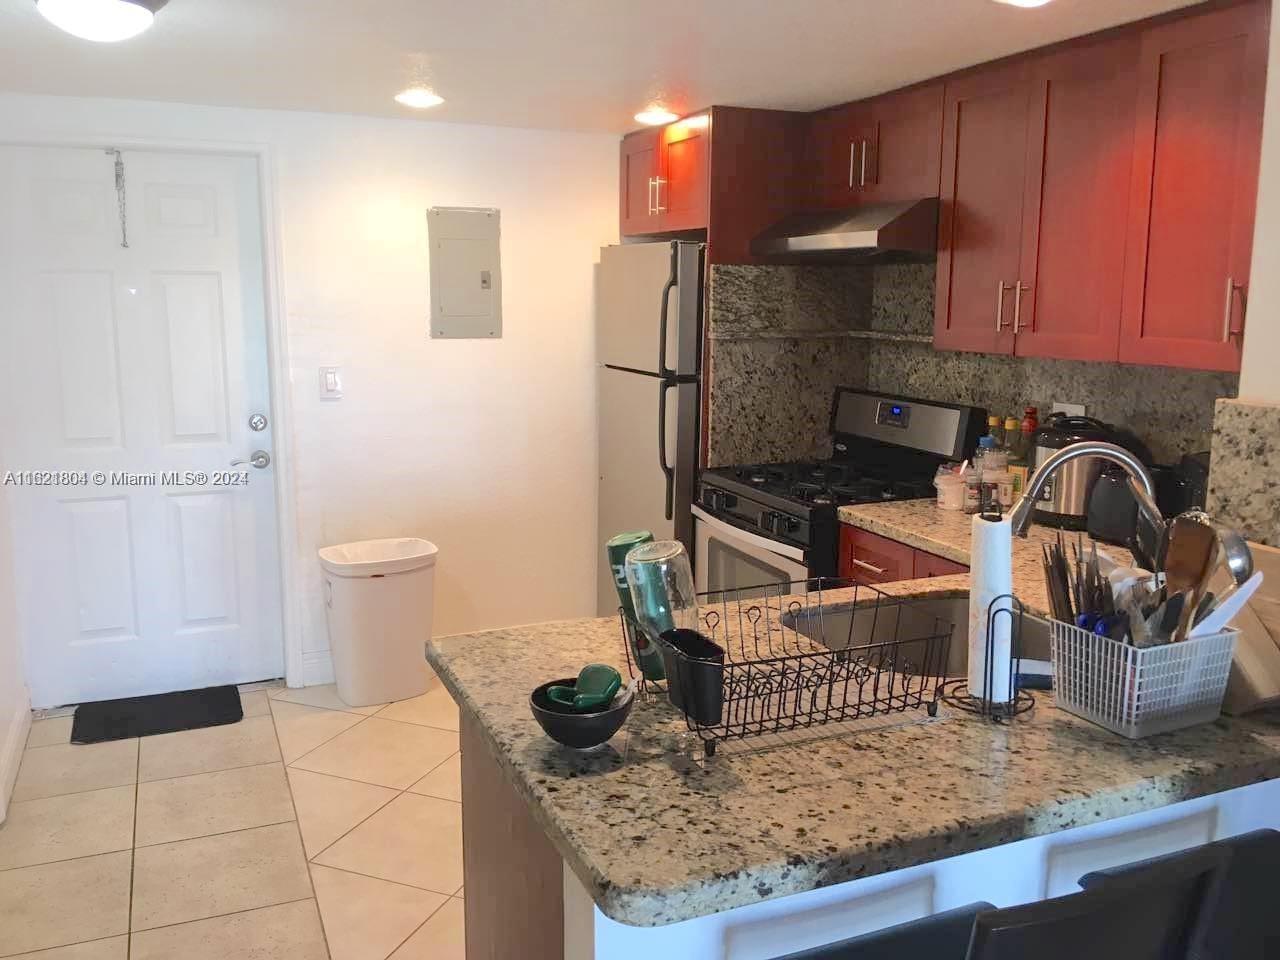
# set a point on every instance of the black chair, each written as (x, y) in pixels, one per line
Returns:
(938, 937)
(1148, 915)
(1151, 915)
(1245, 922)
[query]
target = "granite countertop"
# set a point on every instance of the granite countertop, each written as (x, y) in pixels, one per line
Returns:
(657, 833)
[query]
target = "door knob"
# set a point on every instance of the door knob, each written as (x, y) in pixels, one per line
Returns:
(259, 458)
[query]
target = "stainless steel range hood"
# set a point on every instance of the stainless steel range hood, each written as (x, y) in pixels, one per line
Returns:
(884, 232)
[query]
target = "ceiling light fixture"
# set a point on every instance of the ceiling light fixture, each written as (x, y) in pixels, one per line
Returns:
(419, 98)
(1023, 3)
(102, 21)
(655, 116)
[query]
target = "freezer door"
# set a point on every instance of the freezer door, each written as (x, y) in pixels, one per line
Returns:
(637, 285)
(633, 483)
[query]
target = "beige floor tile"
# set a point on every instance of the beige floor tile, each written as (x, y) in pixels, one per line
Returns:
(435, 708)
(289, 931)
(442, 937)
(301, 728)
(384, 752)
(328, 807)
(414, 840)
(459, 893)
(75, 768)
(365, 919)
(210, 748)
(61, 903)
(208, 803)
(445, 781)
(62, 828)
(210, 876)
(255, 703)
(113, 948)
(325, 696)
(50, 733)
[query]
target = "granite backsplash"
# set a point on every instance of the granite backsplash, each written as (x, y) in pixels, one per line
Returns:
(782, 338)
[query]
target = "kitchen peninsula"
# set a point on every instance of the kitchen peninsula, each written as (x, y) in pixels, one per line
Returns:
(643, 846)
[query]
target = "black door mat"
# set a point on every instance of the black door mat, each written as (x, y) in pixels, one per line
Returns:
(158, 713)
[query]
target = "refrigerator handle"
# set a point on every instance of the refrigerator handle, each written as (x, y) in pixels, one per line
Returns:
(663, 371)
(667, 470)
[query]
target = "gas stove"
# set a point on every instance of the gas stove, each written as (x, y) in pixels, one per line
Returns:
(886, 449)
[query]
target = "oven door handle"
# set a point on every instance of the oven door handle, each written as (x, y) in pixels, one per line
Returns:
(730, 533)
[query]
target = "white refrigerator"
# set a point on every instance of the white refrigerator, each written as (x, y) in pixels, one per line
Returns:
(649, 304)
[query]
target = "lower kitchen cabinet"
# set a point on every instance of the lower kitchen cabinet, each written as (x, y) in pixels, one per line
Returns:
(870, 558)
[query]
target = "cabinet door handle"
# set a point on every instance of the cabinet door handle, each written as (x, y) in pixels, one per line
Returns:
(657, 195)
(862, 176)
(1001, 289)
(1232, 287)
(651, 210)
(853, 144)
(1018, 288)
(867, 566)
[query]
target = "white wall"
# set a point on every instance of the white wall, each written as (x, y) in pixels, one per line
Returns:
(484, 447)
(1259, 379)
(15, 708)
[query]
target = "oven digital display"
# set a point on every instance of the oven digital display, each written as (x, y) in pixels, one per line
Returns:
(893, 414)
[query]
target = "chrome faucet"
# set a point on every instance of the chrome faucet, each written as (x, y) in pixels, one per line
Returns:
(1140, 483)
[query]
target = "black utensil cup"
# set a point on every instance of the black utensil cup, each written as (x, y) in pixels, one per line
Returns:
(695, 675)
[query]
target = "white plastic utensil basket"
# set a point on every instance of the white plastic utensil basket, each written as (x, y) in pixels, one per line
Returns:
(1136, 692)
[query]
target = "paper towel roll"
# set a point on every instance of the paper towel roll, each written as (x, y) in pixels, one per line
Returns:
(991, 576)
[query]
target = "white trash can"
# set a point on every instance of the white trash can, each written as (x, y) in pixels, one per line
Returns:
(378, 601)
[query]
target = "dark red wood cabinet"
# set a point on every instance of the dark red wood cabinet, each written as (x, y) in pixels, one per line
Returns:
(884, 149)
(932, 565)
(1076, 201)
(1195, 179)
(871, 558)
(664, 178)
(986, 119)
(640, 168)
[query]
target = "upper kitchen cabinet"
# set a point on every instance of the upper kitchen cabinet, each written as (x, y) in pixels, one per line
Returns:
(664, 178)
(684, 178)
(986, 120)
(1079, 163)
(640, 168)
(1195, 177)
(884, 149)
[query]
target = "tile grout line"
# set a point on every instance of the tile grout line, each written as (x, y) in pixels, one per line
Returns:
(117, 786)
(133, 851)
(398, 883)
(216, 833)
(324, 933)
(318, 745)
(414, 932)
(220, 916)
(64, 946)
(370, 783)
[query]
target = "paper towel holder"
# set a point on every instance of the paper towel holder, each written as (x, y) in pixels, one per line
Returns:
(955, 693)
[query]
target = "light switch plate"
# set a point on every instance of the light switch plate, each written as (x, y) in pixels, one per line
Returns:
(330, 383)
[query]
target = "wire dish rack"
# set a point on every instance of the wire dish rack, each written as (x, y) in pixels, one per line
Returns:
(785, 656)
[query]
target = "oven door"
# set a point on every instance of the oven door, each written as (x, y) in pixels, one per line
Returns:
(730, 558)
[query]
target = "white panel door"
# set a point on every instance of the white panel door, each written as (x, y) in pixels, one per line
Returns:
(140, 365)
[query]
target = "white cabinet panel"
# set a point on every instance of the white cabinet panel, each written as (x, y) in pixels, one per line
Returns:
(1066, 863)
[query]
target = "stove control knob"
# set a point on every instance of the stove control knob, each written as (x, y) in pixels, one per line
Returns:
(712, 498)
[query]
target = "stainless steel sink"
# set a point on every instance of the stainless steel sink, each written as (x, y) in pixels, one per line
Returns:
(912, 619)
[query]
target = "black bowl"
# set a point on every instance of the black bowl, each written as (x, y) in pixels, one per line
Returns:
(579, 730)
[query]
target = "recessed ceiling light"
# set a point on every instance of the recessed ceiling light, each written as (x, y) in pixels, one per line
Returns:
(1023, 3)
(103, 21)
(655, 116)
(419, 98)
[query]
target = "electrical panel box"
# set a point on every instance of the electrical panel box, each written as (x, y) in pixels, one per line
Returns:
(466, 272)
